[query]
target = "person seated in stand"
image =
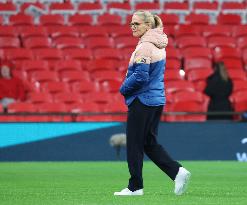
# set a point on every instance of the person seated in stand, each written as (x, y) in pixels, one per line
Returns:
(12, 89)
(219, 88)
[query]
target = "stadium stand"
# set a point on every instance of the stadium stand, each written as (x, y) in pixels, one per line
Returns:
(75, 50)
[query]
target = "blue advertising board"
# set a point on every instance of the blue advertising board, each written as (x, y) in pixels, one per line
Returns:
(89, 141)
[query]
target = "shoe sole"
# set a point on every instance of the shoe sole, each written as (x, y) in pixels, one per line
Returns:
(133, 194)
(128, 194)
(185, 185)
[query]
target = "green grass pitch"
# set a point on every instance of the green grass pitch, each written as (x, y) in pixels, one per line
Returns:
(93, 183)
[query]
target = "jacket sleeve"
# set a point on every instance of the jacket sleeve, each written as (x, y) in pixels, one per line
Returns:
(140, 75)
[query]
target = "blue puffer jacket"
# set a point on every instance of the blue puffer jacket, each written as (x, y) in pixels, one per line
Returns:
(145, 75)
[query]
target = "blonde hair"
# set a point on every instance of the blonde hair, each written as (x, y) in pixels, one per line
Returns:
(148, 17)
(220, 66)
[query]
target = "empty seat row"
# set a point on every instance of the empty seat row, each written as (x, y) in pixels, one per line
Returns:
(174, 31)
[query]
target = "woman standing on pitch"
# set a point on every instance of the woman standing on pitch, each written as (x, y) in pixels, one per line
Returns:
(143, 90)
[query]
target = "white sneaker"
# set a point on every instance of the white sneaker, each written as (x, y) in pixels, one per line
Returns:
(127, 192)
(181, 181)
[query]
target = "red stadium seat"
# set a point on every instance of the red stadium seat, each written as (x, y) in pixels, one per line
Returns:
(52, 55)
(48, 54)
(234, 7)
(198, 74)
(206, 7)
(179, 85)
(109, 20)
(93, 31)
(1, 20)
(187, 30)
(245, 57)
(9, 42)
(84, 107)
(33, 31)
(55, 108)
(74, 76)
(21, 20)
(63, 31)
(37, 42)
(126, 42)
(8, 8)
(19, 54)
(68, 42)
(107, 53)
(173, 75)
(107, 75)
(31, 66)
(32, 86)
(197, 19)
(51, 20)
(86, 112)
(116, 106)
(39, 97)
(101, 98)
(44, 76)
(119, 31)
(189, 41)
(170, 30)
(198, 77)
(150, 6)
(233, 63)
(119, 7)
(221, 53)
(242, 42)
(126, 52)
(217, 30)
(240, 31)
(197, 63)
(237, 6)
(229, 19)
(173, 53)
(220, 41)
(90, 8)
(55, 87)
(99, 42)
(21, 107)
(84, 87)
(239, 97)
(80, 20)
(111, 86)
(173, 64)
(68, 65)
(68, 97)
(169, 19)
(83, 55)
(190, 106)
(239, 85)
(101, 65)
(65, 8)
(52, 107)
(187, 96)
(177, 7)
(237, 74)
(191, 52)
(8, 31)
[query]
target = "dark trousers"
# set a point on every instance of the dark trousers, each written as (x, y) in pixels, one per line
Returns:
(142, 130)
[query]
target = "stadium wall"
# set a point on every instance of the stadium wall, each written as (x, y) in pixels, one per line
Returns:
(89, 141)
